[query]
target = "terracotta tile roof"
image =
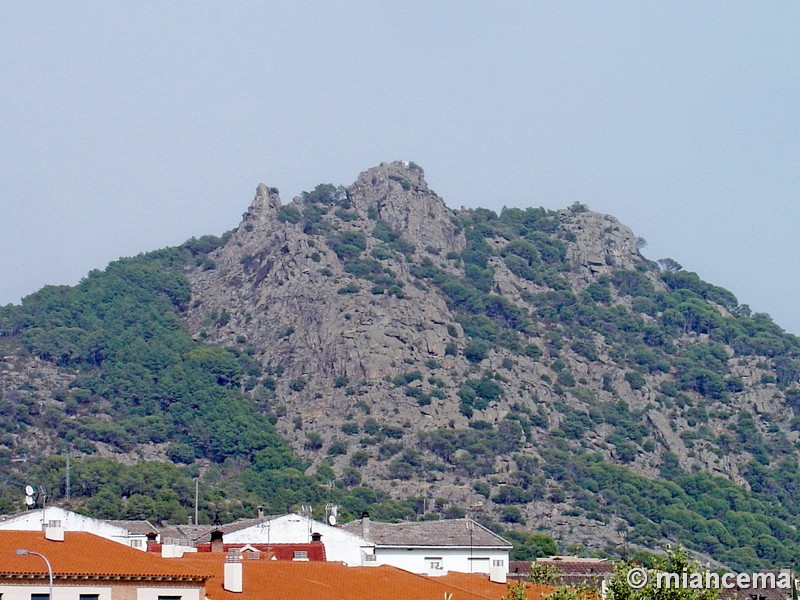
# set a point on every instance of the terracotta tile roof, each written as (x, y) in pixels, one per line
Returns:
(201, 534)
(447, 532)
(482, 585)
(188, 533)
(240, 524)
(573, 565)
(83, 553)
(135, 527)
(334, 581)
(759, 593)
(574, 570)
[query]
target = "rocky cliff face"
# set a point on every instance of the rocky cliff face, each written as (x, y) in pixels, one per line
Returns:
(283, 288)
(344, 301)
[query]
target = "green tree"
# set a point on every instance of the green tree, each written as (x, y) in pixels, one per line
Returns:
(545, 574)
(516, 591)
(677, 560)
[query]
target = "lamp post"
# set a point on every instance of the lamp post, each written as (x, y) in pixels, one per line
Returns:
(47, 562)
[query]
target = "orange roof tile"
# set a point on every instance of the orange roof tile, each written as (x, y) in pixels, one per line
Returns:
(481, 584)
(83, 553)
(287, 580)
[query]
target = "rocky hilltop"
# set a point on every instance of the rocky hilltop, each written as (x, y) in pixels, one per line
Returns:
(294, 295)
(351, 301)
(531, 367)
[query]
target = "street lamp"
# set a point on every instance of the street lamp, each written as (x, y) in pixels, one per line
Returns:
(47, 562)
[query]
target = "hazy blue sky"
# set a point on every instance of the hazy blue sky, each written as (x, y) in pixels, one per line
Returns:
(126, 127)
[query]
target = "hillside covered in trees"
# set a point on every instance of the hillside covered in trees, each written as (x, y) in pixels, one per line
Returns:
(369, 346)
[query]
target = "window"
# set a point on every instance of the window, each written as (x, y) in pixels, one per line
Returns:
(40, 596)
(300, 555)
(169, 597)
(136, 543)
(498, 562)
(89, 597)
(370, 558)
(434, 563)
(54, 523)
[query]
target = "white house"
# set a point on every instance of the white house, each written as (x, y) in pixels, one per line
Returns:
(435, 547)
(131, 533)
(340, 545)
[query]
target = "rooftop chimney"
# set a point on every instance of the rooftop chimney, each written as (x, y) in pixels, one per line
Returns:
(232, 580)
(54, 534)
(365, 525)
(498, 574)
(217, 542)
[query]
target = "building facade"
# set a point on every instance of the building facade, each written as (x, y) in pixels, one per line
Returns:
(434, 547)
(87, 567)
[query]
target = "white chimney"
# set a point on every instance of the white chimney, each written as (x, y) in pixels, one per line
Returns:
(54, 534)
(365, 525)
(232, 581)
(497, 574)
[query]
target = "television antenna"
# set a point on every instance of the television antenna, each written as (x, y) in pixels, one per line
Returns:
(332, 512)
(68, 487)
(33, 495)
(471, 529)
(307, 511)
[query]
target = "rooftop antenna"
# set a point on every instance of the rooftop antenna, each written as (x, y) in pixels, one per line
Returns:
(332, 514)
(29, 498)
(43, 496)
(307, 511)
(470, 528)
(67, 489)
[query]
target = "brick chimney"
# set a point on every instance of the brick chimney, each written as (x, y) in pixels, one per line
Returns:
(217, 541)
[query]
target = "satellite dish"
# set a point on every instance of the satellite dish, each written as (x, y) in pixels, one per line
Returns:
(331, 520)
(28, 490)
(29, 500)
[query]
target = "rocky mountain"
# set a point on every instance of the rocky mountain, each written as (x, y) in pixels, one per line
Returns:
(531, 367)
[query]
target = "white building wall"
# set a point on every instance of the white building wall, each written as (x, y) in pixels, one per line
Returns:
(60, 591)
(33, 520)
(340, 546)
(152, 593)
(438, 561)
